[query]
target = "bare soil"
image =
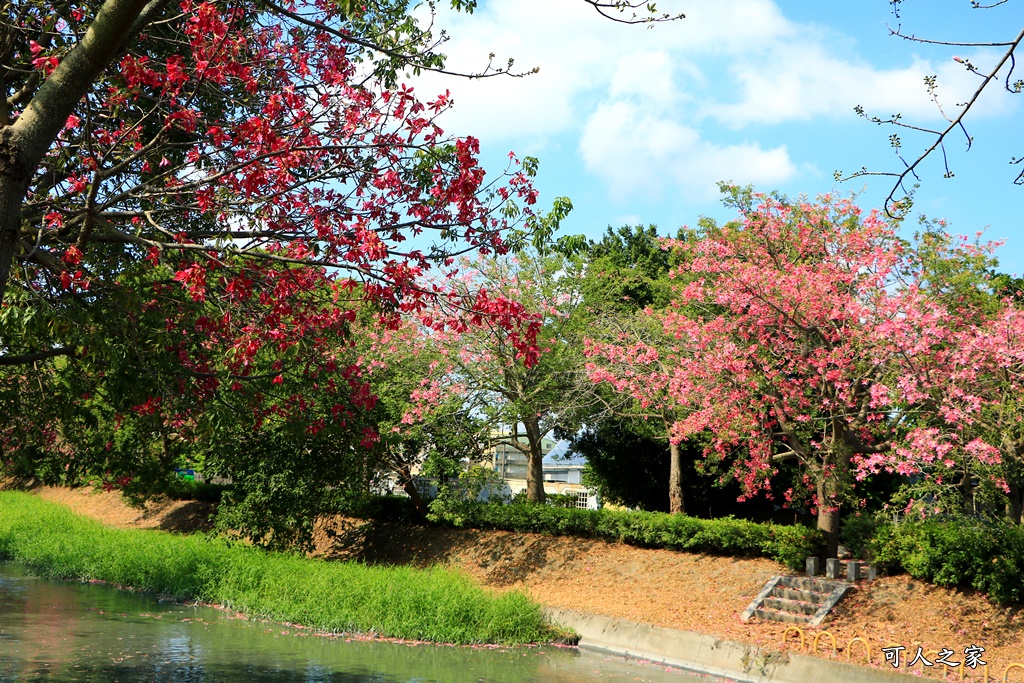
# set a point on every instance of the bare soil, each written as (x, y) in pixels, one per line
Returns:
(700, 593)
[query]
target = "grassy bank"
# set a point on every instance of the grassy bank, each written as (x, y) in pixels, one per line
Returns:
(435, 605)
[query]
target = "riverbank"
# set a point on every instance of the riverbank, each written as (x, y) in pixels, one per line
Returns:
(436, 604)
(689, 592)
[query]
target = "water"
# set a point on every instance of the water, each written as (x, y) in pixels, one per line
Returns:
(62, 632)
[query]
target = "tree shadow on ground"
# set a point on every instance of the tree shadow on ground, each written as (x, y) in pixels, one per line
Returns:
(193, 516)
(499, 558)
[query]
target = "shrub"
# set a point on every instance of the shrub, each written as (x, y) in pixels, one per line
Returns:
(384, 508)
(789, 545)
(562, 500)
(858, 531)
(970, 553)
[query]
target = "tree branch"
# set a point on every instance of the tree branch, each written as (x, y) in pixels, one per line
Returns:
(27, 358)
(45, 115)
(894, 208)
(623, 6)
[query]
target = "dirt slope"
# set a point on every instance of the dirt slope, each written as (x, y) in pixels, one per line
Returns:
(677, 590)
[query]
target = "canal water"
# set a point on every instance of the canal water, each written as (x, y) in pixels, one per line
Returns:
(63, 632)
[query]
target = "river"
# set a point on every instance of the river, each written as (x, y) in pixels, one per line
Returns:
(63, 632)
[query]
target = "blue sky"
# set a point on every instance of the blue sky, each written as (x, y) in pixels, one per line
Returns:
(638, 125)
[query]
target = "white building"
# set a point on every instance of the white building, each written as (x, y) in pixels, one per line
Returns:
(510, 462)
(566, 477)
(561, 477)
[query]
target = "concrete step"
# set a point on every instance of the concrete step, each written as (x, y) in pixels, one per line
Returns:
(864, 572)
(801, 595)
(796, 600)
(786, 617)
(807, 584)
(790, 606)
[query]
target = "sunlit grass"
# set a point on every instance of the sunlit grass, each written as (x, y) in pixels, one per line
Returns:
(436, 604)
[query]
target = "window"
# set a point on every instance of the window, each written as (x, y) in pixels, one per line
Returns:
(583, 500)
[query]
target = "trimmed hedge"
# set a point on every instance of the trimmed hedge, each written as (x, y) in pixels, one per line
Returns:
(964, 552)
(968, 553)
(729, 536)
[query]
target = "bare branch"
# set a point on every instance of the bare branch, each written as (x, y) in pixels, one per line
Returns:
(614, 8)
(894, 207)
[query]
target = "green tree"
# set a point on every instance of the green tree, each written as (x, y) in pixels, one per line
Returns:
(437, 437)
(626, 281)
(522, 401)
(627, 462)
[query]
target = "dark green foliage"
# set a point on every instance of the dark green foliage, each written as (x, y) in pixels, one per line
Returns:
(280, 482)
(180, 489)
(729, 536)
(626, 463)
(857, 533)
(436, 604)
(384, 508)
(1004, 285)
(627, 271)
(969, 553)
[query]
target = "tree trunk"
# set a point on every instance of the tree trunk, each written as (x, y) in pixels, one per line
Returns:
(1015, 504)
(24, 142)
(966, 494)
(414, 495)
(534, 461)
(676, 505)
(11, 195)
(675, 480)
(828, 519)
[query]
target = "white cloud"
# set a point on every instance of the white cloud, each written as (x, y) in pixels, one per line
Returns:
(645, 76)
(581, 56)
(639, 153)
(569, 46)
(801, 82)
(643, 103)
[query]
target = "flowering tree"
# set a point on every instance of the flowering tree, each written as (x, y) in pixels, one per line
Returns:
(637, 360)
(964, 381)
(521, 398)
(199, 129)
(201, 194)
(780, 356)
(242, 148)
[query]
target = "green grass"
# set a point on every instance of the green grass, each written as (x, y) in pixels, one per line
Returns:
(435, 604)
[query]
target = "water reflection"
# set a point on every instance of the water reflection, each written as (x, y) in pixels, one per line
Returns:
(63, 632)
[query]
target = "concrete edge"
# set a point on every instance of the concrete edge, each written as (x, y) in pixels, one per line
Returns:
(837, 594)
(711, 655)
(765, 592)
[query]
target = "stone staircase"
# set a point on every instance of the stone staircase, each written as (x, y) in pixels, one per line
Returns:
(796, 599)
